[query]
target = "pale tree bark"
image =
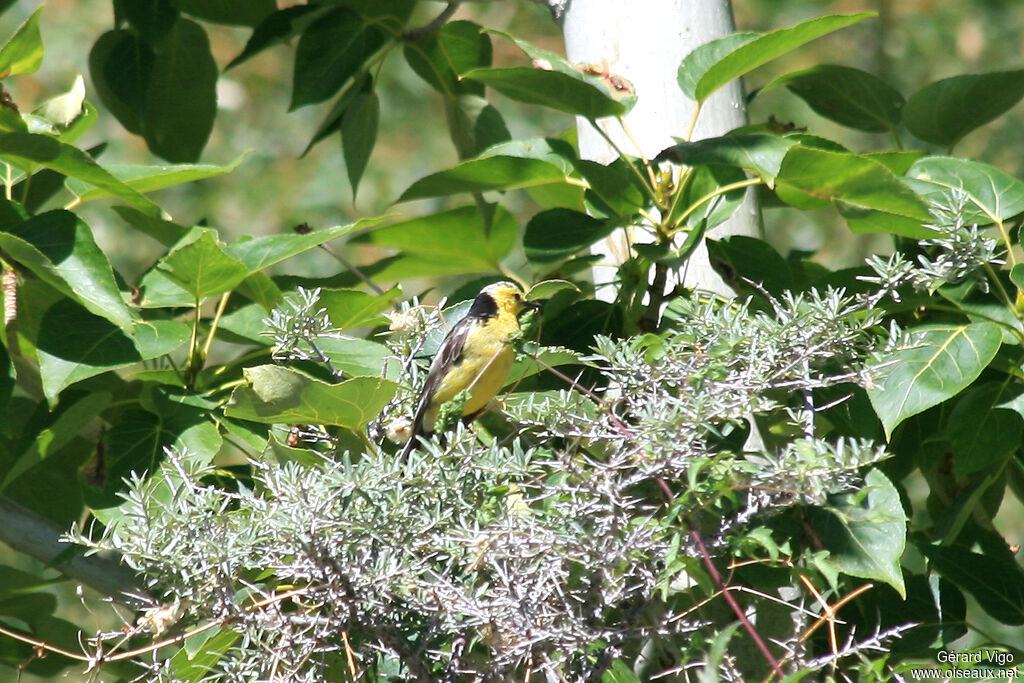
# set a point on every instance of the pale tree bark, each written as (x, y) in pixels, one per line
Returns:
(644, 41)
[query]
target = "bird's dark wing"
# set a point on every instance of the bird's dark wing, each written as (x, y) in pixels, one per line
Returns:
(448, 355)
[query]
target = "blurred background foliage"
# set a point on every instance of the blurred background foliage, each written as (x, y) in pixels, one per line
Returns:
(913, 42)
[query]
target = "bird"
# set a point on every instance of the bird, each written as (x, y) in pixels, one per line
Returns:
(475, 356)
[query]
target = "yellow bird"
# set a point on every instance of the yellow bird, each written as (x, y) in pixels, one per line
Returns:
(475, 356)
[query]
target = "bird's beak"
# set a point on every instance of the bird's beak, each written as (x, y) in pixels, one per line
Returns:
(534, 305)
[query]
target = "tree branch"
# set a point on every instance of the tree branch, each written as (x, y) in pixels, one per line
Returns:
(29, 533)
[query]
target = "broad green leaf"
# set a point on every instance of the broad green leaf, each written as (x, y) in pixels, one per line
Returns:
(548, 288)
(29, 151)
(552, 89)
(71, 418)
(994, 578)
(982, 429)
(576, 326)
(738, 257)
(866, 534)
(707, 182)
(349, 308)
(359, 135)
(945, 111)
(606, 91)
(23, 51)
(258, 253)
(144, 178)
(136, 442)
(58, 247)
(756, 152)
(449, 242)
(279, 395)
(203, 268)
(749, 55)
(167, 233)
(485, 174)
(531, 363)
(200, 654)
(474, 125)
(615, 190)
(868, 195)
(153, 20)
(439, 58)
(120, 63)
(992, 196)
(96, 346)
(331, 123)
(248, 13)
(897, 161)
(981, 306)
(696, 64)
(181, 94)
(848, 96)
(939, 363)
(330, 52)
(355, 357)
(555, 151)
(275, 28)
(556, 234)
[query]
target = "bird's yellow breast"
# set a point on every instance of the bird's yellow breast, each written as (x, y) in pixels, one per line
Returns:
(482, 369)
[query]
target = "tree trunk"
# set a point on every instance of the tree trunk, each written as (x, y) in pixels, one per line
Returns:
(644, 42)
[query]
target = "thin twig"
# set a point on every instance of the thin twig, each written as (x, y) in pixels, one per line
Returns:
(425, 30)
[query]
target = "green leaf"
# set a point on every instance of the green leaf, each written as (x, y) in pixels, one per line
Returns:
(992, 196)
(280, 395)
(152, 19)
(248, 13)
(552, 89)
(30, 150)
(258, 253)
(945, 111)
(865, 532)
(737, 257)
(359, 134)
(868, 195)
(982, 429)
(200, 654)
(181, 94)
(355, 357)
(71, 418)
(696, 64)
(167, 233)
(350, 308)
(58, 247)
(330, 52)
(203, 268)
(994, 578)
(848, 96)
(705, 182)
(120, 63)
(455, 48)
(556, 234)
(449, 242)
(96, 346)
(332, 122)
(275, 28)
(586, 92)
(498, 173)
(23, 51)
(145, 178)
(940, 362)
(748, 55)
(756, 152)
(548, 288)
(474, 125)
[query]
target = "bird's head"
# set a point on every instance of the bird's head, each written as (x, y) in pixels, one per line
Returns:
(504, 297)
